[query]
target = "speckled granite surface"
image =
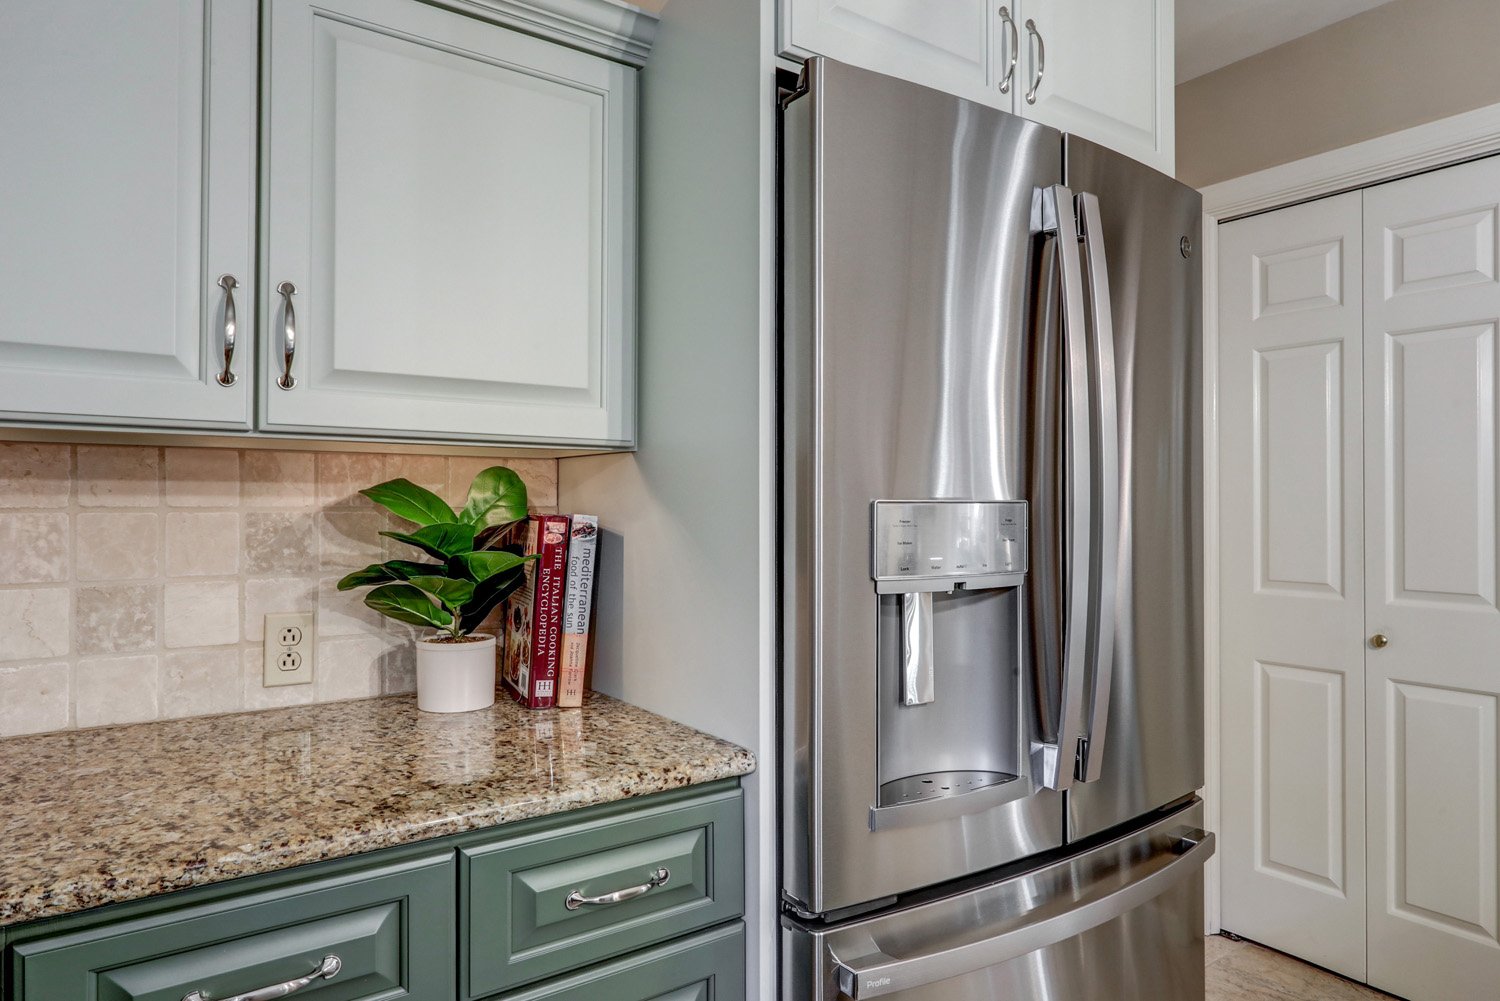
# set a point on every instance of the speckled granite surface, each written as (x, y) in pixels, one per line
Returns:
(92, 817)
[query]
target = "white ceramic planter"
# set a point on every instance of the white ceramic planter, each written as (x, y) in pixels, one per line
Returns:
(456, 677)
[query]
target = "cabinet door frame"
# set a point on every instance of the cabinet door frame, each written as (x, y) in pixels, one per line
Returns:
(176, 389)
(289, 252)
(800, 35)
(1051, 108)
(1425, 147)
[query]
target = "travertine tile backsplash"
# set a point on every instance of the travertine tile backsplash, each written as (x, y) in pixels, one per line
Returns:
(134, 580)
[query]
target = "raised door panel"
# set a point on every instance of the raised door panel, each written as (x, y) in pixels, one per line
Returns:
(128, 170)
(708, 966)
(1291, 579)
(450, 206)
(1431, 303)
(1103, 71)
(946, 46)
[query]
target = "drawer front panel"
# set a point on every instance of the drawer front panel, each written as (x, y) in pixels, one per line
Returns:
(515, 892)
(391, 928)
(709, 966)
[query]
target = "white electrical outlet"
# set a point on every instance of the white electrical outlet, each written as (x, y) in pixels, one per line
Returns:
(289, 649)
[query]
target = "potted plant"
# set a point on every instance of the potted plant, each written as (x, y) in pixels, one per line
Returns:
(465, 576)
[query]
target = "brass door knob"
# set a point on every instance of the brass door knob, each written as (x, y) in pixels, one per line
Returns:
(1379, 641)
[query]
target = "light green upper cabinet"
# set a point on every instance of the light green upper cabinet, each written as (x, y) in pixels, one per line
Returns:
(434, 238)
(127, 166)
(453, 203)
(1103, 71)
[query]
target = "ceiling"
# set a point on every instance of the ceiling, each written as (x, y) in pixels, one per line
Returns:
(1215, 33)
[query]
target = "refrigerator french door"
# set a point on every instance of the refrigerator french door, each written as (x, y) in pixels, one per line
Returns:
(990, 576)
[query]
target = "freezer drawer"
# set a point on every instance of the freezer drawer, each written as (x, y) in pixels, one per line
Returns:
(1121, 922)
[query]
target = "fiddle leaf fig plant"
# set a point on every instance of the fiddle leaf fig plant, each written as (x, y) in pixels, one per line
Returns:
(467, 573)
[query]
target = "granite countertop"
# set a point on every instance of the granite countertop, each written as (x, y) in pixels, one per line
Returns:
(92, 817)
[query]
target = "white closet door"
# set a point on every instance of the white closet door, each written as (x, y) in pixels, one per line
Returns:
(1291, 664)
(1431, 307)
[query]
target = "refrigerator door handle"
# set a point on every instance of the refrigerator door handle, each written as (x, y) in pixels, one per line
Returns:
(876, 974)
(1105, 551)
(1053, 764)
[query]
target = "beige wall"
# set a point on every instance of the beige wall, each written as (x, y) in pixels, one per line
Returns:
(1390, 68)
(134, 581)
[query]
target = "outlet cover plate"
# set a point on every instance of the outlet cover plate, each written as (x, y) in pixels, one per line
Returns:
(290, 640)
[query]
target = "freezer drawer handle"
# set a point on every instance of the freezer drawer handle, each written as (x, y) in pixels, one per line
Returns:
(877, 974)
(576, 899)
(327, 970)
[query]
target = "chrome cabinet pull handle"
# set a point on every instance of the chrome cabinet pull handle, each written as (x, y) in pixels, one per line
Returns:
(231, 323)
(576, 899)
(1041, 60)
(1015, 50)
(327, 970)
(288, 335)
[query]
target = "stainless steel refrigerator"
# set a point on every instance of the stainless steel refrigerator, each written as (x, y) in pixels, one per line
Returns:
(991, 579)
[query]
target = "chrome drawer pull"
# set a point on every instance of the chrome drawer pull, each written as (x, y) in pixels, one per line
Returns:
(327, 970)
(576, 899)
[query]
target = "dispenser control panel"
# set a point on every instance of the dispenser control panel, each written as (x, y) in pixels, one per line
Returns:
(937, 545)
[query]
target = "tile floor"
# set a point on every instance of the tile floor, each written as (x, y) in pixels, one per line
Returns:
(1244, 971)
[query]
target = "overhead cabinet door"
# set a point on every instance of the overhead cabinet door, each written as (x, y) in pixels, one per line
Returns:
(447, 211)
(943, 45)
(127, 164)
(1103, 71)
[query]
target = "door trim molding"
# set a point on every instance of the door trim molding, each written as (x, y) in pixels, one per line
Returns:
(1430, 146)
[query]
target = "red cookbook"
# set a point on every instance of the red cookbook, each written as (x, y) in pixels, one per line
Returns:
(533, 614)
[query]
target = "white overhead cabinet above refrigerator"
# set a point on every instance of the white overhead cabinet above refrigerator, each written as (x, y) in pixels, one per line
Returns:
(446, 213)
(1103, 71)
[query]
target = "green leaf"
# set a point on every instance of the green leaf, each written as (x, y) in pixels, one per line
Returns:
(452, 593)
(482, 566)
(487, 595)
(385, 573)
(408, 604)
(496, 496)
(442, 541)
(405, 499)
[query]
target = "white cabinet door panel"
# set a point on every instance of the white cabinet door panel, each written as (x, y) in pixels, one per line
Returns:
(1107, 73)
(1432, 303)
(1291, 664)
(128, 172)
(453, 203)
(942, 45)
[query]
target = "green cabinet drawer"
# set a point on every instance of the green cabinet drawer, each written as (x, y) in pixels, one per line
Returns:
(709, 966)
(391, 928)
(517, 925)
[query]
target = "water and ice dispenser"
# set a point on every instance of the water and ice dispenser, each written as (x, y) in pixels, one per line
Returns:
(951, 737)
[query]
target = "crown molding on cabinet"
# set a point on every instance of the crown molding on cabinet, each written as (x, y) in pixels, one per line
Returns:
(1385, 158)
(606, 28)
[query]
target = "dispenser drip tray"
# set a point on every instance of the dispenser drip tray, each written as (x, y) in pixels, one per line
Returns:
(939, 785)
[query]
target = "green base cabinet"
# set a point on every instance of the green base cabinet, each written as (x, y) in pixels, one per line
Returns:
(656, 887)
(536, 904)
(390, 933)
(705, 967)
